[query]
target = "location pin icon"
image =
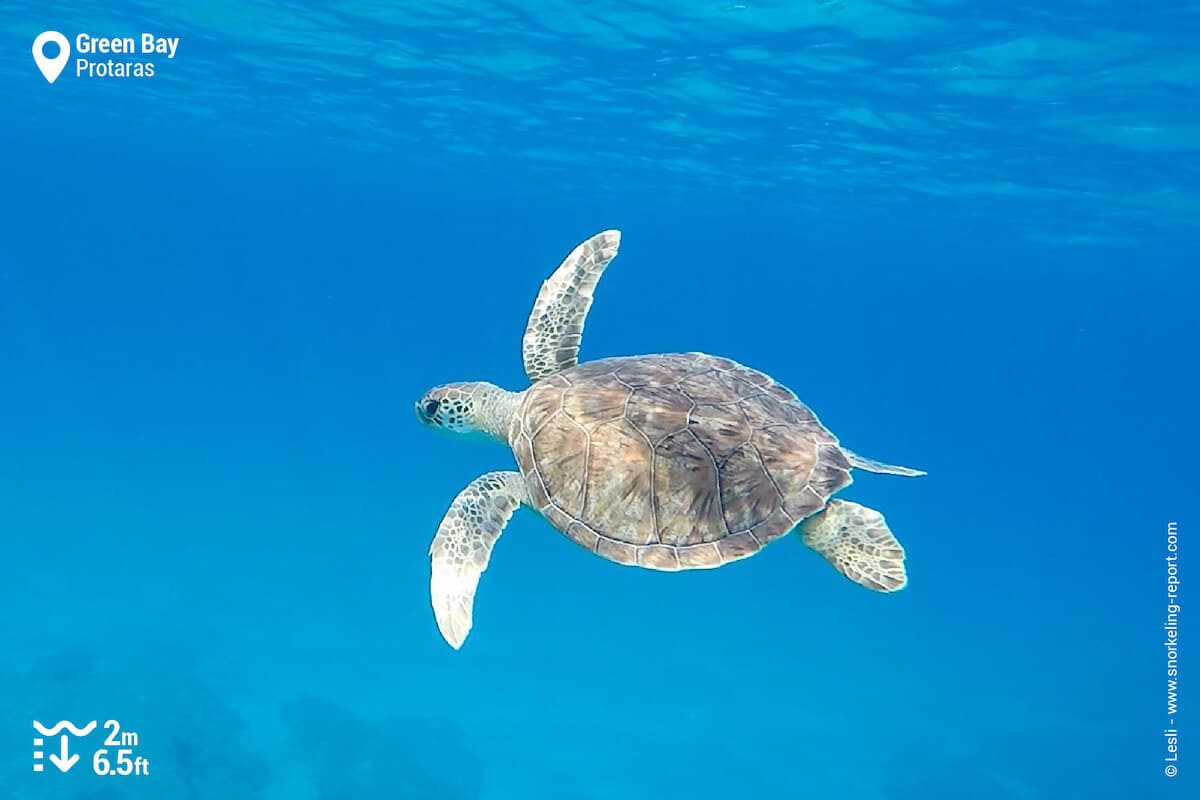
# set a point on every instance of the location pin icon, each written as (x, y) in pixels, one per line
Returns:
(51, 67)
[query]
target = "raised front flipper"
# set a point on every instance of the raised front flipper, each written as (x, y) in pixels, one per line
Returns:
(552, 336)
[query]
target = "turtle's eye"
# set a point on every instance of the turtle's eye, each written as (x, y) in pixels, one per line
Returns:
(431, 408)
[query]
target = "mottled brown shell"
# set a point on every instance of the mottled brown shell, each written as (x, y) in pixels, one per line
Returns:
(672, 462)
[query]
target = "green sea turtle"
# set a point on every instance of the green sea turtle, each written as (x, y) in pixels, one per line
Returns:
(668, 462)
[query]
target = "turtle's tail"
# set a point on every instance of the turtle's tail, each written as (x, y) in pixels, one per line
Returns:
(871, 465)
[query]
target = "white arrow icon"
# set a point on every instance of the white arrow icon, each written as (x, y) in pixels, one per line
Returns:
(65, 760)
(51, 67)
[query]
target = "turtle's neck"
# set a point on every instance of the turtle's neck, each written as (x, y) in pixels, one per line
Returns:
(495, 410)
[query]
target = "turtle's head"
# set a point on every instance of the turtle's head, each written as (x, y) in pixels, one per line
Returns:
(450, 407)
(469, 408)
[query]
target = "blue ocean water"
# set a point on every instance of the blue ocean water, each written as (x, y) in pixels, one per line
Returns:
(964, 233)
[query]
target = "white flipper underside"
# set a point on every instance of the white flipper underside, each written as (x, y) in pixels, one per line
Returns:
(555, 328)
(463, 545)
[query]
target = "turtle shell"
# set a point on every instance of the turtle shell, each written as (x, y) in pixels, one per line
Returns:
(676, 461)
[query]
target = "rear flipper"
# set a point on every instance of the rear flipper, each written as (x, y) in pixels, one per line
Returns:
(871, 465)
(856, 541)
